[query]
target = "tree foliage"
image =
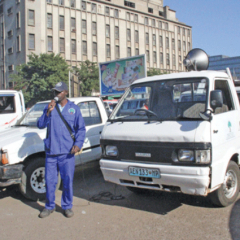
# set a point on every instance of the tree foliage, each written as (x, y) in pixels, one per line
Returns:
(39, 76)
(88, 76)
(154, 71)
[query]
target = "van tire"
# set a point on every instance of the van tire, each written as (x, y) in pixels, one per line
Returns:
(138, 190)
(32, 185)
(228, 192)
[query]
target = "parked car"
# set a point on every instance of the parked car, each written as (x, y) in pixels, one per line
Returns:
(22, 152)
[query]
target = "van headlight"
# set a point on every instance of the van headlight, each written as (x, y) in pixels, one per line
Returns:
(111, 151)
(202, 156)
(185, 155)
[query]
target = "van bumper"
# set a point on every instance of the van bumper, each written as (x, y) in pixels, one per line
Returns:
(10, 174)
(188, 180)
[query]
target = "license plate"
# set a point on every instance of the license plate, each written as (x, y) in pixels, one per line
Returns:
(144, 172)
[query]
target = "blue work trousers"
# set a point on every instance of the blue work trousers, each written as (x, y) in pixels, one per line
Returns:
(65, 164)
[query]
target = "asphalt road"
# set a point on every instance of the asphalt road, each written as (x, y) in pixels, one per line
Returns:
(150, 216)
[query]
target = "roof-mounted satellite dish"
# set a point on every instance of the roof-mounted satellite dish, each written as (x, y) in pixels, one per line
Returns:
(196, 60)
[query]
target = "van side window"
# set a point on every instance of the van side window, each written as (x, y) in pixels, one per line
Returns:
(227, 96)
(133, 105)
(90, 113)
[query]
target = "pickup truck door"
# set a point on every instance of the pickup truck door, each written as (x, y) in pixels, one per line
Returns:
(224, 133)
(94, 125)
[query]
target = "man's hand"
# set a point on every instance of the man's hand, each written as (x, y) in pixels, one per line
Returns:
(51, 106)
(75, 149)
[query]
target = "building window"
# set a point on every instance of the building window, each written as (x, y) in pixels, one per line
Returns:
(150, 10)
(10, 50)
(117, 52)
(73, 43)
(50, 44)
(180, 58)
(184, 46)
(173, 44)
(183, 31)
(189, 46)
(31, 41)
(49, 20)
(62, 45)
(136, 36)
(167, 59)
(178, 30)
(179, 45)
(128, 16)
(108, 51)
(136, 51)
(94, 49)
(61, 22)
(73, 3)
(83, 5)
(84, 45)
(146, 21)
(160, 13)
(135, 18)
(94, 7)
(10, 33)
(154, 39)
(129, 4)
(18, 20)
(128, 35)
(147, 38)
(10, 68)
(147, 56)
(189, 32)
(73, 25)
(116, 13)
(116, 32)
(161, 57)
(160, 41)
(174, 60)
(128, 52)
(107, 10)
(166, 26)
(49, 1)
(153, 23)
(167, 42)
(94, 28)
(18, 43)
(160, 25)
(84, 26)
(9, 11)
(31, 17)
(154, 57)
(61, 2)
(107, 31)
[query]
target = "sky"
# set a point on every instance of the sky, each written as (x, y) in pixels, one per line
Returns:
(215, 24)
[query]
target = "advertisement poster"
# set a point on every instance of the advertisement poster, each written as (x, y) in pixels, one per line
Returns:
(116, 76)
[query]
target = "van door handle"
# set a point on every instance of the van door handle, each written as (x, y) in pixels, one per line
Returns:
(215, 131)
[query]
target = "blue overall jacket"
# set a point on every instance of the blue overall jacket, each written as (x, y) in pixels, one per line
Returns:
(59, 140)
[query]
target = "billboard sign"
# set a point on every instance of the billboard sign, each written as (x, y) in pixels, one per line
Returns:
(115, 76)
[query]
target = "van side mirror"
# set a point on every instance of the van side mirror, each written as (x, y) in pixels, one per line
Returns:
(216, 99)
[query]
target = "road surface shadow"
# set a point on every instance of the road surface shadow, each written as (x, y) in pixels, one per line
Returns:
(234, 221)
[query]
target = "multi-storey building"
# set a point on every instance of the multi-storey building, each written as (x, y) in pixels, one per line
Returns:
(221, 62)
(98, 30)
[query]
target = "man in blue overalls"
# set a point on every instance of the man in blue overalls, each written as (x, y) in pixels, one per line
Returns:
(60, 148)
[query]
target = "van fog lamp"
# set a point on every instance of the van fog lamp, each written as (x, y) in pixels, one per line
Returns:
(111, 151)
(202, 156)
(185, 155)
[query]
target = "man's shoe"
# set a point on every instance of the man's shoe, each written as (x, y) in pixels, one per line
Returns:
(46, 212)
(68, 213)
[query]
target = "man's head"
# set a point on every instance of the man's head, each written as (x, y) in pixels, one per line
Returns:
(60, 90)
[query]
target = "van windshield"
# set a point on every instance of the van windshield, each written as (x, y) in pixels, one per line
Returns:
(163, 100)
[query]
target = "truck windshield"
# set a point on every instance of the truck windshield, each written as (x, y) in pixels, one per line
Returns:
(31, 117)
(163, 100)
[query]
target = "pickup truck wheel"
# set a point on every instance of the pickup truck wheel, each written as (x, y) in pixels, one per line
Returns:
(228, 192)
(33, 180)
(138, 190)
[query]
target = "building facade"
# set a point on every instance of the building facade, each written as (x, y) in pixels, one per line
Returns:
(97, 30)
(221, 62)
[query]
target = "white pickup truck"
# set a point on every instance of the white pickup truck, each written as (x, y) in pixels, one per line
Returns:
(188, 140)
(22, 149)
(12, 107)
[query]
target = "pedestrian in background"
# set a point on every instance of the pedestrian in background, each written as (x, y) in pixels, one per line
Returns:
(61, 143)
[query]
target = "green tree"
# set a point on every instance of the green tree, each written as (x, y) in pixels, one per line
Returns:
(154, 71)
(39, 76)
(88, 77)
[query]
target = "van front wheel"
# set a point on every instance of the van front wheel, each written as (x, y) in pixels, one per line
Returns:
(228, 192)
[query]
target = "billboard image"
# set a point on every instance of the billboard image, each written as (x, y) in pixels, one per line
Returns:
(116, 76)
